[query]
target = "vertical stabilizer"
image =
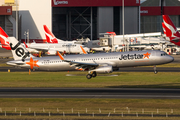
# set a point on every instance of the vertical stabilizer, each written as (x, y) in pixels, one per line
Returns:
(19, 52)
(168, 25)
(170, 30)
(4, 39)
(49, 35)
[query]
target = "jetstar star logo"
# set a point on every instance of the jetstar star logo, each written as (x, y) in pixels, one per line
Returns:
(147, 55)
(32, 63)
(134, 56)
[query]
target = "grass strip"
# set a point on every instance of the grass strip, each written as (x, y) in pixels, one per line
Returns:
(96, 106)
(92, 105)
(59, 79)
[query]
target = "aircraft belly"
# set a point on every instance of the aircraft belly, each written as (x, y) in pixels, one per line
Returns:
(56, 67)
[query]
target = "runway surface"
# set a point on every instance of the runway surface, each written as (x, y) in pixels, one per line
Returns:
(137, 93)
(128, 69)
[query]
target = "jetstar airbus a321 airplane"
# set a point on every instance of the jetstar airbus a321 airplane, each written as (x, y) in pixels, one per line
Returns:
(170, 30)
(93, 63)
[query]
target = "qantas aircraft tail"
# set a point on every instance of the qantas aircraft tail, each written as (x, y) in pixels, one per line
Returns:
(49, 35)
(4, 39)
(170, 30)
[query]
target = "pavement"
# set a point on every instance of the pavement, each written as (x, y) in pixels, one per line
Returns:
(137, 93)
(5, 53)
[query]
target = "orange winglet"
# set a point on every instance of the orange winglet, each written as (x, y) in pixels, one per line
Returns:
(61, 57)
(83, 50)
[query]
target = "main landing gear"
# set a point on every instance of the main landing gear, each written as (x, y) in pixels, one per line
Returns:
(91, 74)
(155, 71)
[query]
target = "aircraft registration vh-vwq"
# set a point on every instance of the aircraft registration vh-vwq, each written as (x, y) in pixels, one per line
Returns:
(93, 63)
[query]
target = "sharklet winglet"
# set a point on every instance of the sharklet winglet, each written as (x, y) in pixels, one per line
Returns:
(83, 50)
(61, 57)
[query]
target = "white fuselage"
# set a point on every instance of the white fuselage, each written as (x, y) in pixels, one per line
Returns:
(118, 59)
(61, 47)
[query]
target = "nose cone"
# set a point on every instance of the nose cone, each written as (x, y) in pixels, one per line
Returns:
(170, 59)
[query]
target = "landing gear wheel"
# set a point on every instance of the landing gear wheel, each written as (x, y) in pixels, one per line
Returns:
(94, 74)
(88, 76)
(155, 72)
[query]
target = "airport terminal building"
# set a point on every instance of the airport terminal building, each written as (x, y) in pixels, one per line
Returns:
(152, 11)
(75, 19)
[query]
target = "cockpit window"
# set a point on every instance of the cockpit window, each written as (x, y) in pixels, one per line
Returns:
(163, 54)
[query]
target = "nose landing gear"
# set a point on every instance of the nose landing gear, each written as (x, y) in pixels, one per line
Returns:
(155, 71)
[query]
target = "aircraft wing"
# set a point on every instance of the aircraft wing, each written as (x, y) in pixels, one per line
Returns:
(43, 49)
(39, 49)
(79, 65)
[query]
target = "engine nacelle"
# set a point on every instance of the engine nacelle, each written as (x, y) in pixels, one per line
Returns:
(51, 52)
(104, 69)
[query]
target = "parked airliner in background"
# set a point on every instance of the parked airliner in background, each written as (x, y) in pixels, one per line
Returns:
(52, 39)
(51, 49)
(170, 30)
(93, 63)
(55, 45)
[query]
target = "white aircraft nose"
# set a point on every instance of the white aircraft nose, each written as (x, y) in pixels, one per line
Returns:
(170, 58)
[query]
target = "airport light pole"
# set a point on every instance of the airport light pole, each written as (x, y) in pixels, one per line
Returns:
(123, 23)
(91, 23)
(25, 36)
(16, 21)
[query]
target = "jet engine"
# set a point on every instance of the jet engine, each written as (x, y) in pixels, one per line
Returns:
(104, 69)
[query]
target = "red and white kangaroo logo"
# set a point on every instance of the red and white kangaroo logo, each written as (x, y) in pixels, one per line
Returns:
(170, 29)
(4, 39)
(49, 36)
